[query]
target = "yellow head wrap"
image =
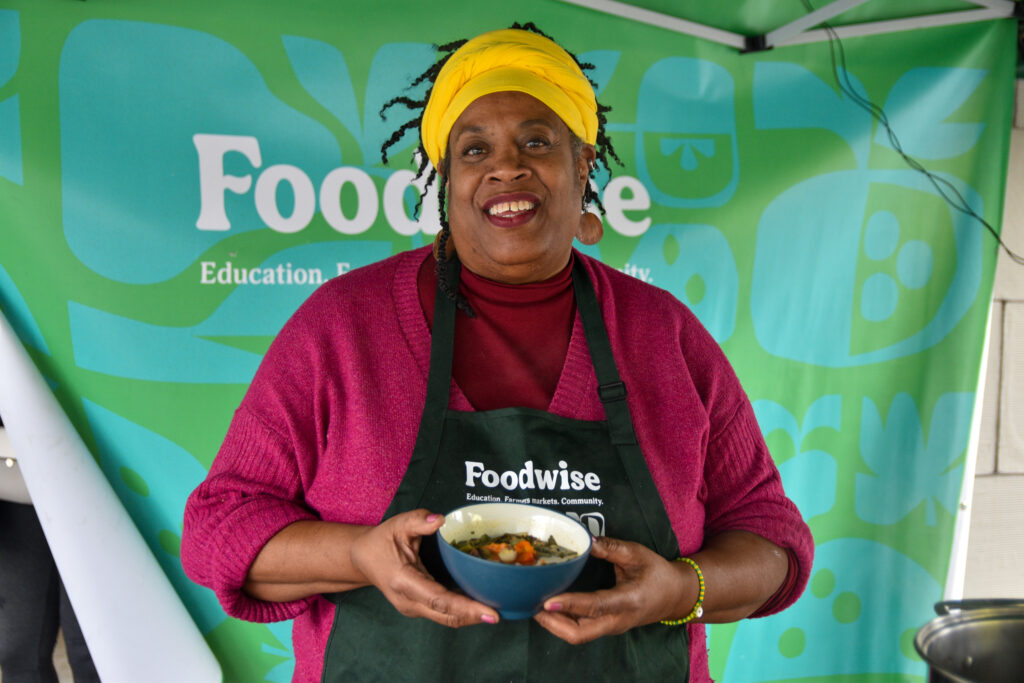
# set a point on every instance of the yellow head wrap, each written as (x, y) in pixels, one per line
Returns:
(498, 61)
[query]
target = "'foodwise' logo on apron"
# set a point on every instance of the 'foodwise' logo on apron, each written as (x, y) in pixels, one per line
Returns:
(561, 479)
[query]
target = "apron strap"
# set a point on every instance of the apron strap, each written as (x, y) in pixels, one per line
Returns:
(612, 392)
(428, 439)
(610, 388)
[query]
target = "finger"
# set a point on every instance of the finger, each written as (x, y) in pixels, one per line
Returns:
(589, 605)
(422, 522)
(421, 596)
(576, 631)
(616, 551)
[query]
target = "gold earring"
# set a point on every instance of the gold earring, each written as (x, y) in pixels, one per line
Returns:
(449, 246)
(590, 229)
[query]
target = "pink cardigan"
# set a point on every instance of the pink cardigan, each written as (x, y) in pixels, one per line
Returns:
(328, 425)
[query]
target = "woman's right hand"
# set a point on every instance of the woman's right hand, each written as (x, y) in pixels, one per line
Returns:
(387, 555)
(311, 557)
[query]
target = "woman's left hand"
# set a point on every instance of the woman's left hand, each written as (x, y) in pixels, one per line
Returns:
(648, 588)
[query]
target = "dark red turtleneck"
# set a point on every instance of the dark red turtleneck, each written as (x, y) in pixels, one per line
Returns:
(512, 352)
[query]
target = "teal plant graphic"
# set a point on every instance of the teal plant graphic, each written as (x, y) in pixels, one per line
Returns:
(845, 623)
(323, 72)
(810, 477)
(899, 298)
(908, 470)
(16, 310)
(282, 673)
(922, 101)
(696, 264)
(195, 354)
(10, 118)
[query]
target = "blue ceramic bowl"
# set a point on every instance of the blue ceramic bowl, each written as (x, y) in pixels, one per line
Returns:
(516, 591)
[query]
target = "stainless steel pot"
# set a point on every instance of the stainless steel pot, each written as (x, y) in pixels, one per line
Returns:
(974, 641)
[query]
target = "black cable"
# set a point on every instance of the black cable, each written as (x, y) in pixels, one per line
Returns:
(941, 185)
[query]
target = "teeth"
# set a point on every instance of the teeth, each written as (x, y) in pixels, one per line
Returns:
(517, 206)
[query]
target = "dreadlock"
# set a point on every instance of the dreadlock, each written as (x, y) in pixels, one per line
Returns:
(419, 155)
(603, 152)
(603, 145)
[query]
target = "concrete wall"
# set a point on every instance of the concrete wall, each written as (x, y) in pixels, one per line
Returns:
(995, 554)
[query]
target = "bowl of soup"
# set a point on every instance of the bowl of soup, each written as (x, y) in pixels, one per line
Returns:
(512, 556)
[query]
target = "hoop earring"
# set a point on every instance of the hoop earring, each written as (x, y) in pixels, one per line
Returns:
(591, 228)
(449, 245)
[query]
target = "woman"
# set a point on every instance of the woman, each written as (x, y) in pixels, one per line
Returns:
(353, 439)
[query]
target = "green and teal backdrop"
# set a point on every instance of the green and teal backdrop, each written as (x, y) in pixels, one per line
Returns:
(175, 178)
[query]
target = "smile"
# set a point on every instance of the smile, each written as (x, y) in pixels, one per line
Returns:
(510, 209)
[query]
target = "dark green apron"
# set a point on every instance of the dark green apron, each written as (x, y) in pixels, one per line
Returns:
(459, 459)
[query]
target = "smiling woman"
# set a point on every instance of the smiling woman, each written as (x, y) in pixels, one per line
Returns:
(380, 407)
(515, 188)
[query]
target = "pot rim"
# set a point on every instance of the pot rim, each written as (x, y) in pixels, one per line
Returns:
(956, 612)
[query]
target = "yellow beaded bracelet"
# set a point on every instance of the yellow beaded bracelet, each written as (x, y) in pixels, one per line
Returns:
(698, 609)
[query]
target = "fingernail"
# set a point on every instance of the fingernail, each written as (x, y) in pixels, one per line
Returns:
(432, 517)
(553, 606)
(487, 618)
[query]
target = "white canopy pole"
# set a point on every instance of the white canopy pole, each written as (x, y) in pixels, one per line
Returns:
(135, 625)
(908, 24)
(957, 573)
(646, 16)
(1001, 5)
(780, 35)
(793, 33)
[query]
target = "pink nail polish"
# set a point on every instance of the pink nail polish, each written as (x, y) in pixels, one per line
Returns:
(432, 517)
(553, 607)
(487, 618)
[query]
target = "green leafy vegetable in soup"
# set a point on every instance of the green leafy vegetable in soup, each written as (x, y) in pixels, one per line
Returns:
(515, 549)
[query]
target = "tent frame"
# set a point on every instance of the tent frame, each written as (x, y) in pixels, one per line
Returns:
(800, 31)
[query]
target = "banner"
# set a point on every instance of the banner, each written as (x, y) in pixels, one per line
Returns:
(176, 178)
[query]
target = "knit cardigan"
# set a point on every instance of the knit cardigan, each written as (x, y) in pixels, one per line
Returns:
(328, 425)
